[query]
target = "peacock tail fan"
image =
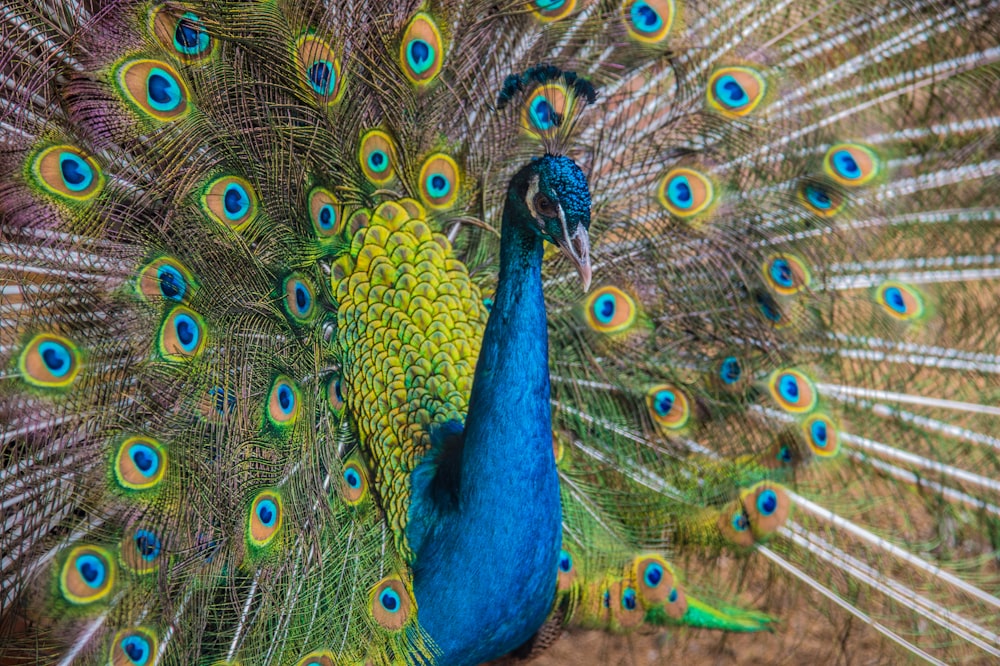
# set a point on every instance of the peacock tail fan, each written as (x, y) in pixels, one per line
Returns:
(248, 252)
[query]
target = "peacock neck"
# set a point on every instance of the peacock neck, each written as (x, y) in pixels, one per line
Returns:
(484, 577)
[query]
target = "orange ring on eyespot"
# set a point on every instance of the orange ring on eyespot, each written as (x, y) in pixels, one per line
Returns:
(377, 156)
(68, 173)
(320, 69)
(154, 88)
(440, 181)
(230, 201)
(786, 274)
(793, 391)
(544, 109)
(265, 518)
(182, 33)
(685, 192)
(767, 506)
(49, 361)
(326, 213)
(610, 310)
(182, 335)
(165, 278)
(851, 164)
(668, 406)
(820, 199)
(736, 91)
(421, 50)
(822, 435)
(354, 482)
(391, 603)
(283, 403)
(901, 301)
(133, 647)
(140, 463)
(649, 21)
(317, 658)
(87, 575)
(299, 297)
(654, 578)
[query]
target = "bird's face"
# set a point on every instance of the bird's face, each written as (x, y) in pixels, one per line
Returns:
(558, 199)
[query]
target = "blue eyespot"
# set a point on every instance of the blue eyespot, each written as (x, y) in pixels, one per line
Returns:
(224, 402)
(286, 399)
(604, 308)
(767, 502)
(92, 570)
(137, 649)
(781, 273)
(740, 522)
(785, 454)
(236, 201)
(77, 175)
(267, 512)
(419, 55)
(894, 299)
(664, 401)
(352, 478)
(672, 598)
(818, 197)
(327, 217)
(389, 600)
(645, 18)
(146, 460)
(543, 116)
(768, 308)
(729, 92)
(628, 599)
(323, 77)
(679, 192)
(378, 161)
(549, 5)
(845, 165)
(606, 599)
(148, 545)
(488, 304)
(163, 93)
(172, 283)
(788, 387)
(730, 370)
(187, 331)
(56, 357)
(653, 575)
(565, 561)
(438, 186)
(189, 36)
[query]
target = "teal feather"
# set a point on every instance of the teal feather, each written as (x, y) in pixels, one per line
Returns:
(248, 252)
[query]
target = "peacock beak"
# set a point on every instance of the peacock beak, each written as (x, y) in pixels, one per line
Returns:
(577, 248)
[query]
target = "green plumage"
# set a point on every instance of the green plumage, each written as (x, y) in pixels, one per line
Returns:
(247, 252)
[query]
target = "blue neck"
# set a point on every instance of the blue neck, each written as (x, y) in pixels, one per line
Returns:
(485, 567)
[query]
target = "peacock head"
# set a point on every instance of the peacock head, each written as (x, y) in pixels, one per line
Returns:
(553, 191)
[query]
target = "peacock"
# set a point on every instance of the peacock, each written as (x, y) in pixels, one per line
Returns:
(350, 332)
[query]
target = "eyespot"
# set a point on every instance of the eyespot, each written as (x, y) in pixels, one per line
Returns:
(901, 301)
(140, 551)
(355, 484)
(182, 334)
(391, 604)
(133, 647)
(140, 463)
(230, 201)
(786, 274)
(735, 525)
(165, 278)
(730, 371)
(377, 157)
(320, 68)
(544, 109)
(769, 309)
(668, 406)
(317, 658)
(552, 10)
(676, 605)
(154, 88)
(686, 192)
(49, 361)
(67, 173)
(610, 310)
(335, 396)
(88, 574)
(300, 302)
(767, 506)
(566, 570)
(283, 403)
(736, 91)
(822, 435)
(440, 181)
(421, 51)
(654, 578)
(184, 36)
(820, 199)
(649, 21)
(265, 518)
(793, 391)
(326, 213)
(851, 164)
(627, 613)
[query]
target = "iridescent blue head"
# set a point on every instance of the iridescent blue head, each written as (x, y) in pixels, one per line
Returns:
(556, 200)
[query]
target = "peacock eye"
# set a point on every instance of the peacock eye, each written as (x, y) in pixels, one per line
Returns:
(545, 206)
